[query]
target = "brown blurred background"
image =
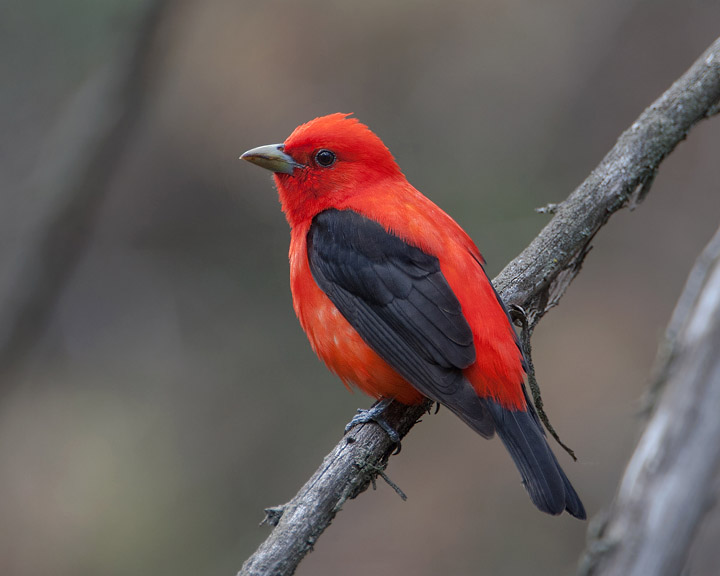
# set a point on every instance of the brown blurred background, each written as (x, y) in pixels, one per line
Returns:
(167, 394)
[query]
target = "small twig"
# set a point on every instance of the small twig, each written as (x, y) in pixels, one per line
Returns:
(273, 515)
(550, 208)
(519, 316)
(376, 471)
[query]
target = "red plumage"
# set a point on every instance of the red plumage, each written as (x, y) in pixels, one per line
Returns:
(358, 174)
(372, 184)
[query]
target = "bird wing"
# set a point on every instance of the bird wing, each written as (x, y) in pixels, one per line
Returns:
(396, 297)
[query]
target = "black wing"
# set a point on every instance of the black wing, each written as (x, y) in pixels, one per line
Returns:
(398, 300)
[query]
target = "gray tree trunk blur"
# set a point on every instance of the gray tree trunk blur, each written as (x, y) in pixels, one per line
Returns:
(70, 185)
(668, 485)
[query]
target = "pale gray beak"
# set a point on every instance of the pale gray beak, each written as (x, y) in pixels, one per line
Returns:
(272, 158)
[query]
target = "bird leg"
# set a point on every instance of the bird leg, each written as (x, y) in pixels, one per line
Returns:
(375, 414)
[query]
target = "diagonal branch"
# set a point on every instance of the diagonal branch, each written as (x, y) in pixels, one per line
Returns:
(535, 280)
(538, 277)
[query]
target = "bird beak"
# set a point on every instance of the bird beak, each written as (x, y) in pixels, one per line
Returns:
(272, 158)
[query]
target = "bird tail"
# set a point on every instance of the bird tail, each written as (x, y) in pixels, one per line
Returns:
(523, 436)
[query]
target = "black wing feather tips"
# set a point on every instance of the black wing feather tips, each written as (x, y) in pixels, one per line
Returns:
(398, 300)
(543, 478)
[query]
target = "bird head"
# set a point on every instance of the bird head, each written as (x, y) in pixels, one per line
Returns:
(323, 162)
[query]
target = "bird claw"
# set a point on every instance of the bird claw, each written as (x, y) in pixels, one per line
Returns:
(518, 315)
(374, 414)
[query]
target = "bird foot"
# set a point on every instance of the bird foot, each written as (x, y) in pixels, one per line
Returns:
(375, 414)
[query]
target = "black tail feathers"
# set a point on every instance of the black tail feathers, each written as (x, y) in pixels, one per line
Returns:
(523, 436)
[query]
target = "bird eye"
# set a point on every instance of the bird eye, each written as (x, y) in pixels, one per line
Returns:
(325, 158)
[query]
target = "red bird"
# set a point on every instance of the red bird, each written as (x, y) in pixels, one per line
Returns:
(393, 297)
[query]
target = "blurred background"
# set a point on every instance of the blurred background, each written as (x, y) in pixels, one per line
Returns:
(157, 391)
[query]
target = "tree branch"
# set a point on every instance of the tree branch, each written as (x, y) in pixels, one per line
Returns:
(539, 276)
(535, 280)
(667, 487)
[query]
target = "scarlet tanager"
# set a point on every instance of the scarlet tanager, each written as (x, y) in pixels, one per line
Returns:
(393, 297)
